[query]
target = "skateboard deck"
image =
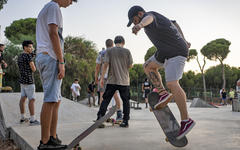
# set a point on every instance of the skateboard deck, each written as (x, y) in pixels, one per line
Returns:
(89, 130)
(167, 122)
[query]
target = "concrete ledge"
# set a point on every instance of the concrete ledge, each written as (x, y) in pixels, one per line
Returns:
(18, 140)
(197, 102)
(236, 105)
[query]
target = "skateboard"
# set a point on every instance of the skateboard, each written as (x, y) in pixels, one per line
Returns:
(113, 121)
(167, 122)
(75, 143)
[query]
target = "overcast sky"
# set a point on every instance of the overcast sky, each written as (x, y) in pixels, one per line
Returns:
(97, 20)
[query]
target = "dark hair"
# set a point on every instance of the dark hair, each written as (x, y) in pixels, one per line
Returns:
(75, 79)
(26, 43)
(119, 39)
(1, 45)
(109, 43)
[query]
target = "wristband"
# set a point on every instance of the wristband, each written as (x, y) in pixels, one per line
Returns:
(61, 63)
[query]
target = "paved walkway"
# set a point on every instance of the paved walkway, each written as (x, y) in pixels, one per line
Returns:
(216, 128)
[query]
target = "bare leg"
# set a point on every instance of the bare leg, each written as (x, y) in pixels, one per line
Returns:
(179, 97)
(31, 106)
(101, 97)
(117, 100)
(53, 130)
(22, 104)
(46, 119)
(151, 70)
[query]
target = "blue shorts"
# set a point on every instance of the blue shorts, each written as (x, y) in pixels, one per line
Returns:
(28, 90)
(48, 69)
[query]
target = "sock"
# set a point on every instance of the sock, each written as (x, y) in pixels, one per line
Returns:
(22, 116)
(185, 120)
(32, 118)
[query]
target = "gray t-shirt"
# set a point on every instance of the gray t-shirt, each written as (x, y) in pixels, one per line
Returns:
(119, 59)
(165, 37)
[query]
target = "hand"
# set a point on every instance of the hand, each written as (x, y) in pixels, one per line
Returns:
(136, 28)
(61, 69)
(188, 44)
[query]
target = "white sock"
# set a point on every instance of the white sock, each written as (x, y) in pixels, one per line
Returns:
(22, 116)
(32, 118)
(185, 120)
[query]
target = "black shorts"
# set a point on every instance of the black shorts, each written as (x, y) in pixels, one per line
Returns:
(146, 92)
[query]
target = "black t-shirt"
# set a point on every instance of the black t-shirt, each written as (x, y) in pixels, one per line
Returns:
(165, 37)
(26, 74)
(91, 87)
(224, 94)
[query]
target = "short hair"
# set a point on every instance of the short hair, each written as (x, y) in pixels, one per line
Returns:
(119, 39)
(26, 43)
(75, 79)
(109, 43)
(1, 45)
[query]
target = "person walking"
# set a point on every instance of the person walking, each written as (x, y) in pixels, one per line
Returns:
(119, 60)
(172, 52)
(50, 64)
(98, 71)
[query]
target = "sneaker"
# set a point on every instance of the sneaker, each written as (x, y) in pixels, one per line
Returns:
(55, 140)
(186, 126)
(51, 146)
(34, 123)
(24, 120)
(163, 100)
(124, 124)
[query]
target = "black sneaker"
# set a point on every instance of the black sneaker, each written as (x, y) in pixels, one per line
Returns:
(24, 120)
(34, 123)
(55, 140)
(51, 146)
(101, 126)
(124, 124)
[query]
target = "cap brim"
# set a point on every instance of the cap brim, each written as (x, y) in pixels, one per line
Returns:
(129, 23)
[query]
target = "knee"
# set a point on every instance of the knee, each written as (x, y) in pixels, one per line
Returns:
(172, 84)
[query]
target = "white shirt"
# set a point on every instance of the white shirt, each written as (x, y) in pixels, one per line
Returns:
(75, 87)
(50, 14)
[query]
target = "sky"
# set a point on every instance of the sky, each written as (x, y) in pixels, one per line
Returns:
(97, 20)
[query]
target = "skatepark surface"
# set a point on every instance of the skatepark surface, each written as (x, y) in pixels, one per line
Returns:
(216, 128)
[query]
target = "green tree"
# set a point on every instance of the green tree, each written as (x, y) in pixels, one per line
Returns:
(20, 30)
(11, 72)
(193, 54)
(2, 2)
(151, 51)
(80, 56)
(217, 50)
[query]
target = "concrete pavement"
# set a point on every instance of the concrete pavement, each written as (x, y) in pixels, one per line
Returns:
(216, 128)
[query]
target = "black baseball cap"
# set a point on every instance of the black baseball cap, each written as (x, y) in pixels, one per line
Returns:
(75, 0)
(133, 11)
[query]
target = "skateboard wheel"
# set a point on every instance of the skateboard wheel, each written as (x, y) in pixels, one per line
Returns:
(166, 139)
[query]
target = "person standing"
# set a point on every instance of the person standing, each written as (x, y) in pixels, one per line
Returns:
(146, 89)
(26, 69)
(98, 71)
(75, 88)
(91, 93)
(2, 62)
(231, 95)
(224, 97)
(172, 52)
(119, 60)
(50, 63)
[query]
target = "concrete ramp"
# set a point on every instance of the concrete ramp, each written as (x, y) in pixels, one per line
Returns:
(72, 116)
(197, 102)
